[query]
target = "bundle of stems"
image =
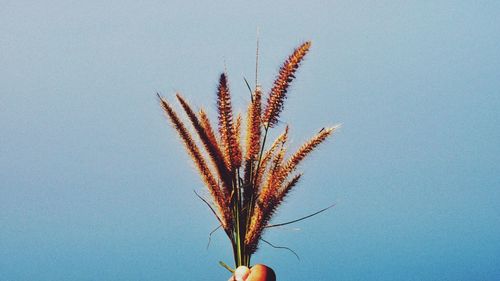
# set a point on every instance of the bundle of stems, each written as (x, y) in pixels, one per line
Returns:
(246, 185)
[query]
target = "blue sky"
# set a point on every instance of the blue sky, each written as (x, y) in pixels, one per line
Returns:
(94, 184)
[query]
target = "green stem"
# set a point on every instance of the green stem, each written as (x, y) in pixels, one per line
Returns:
(252, 201)
(223, 264)
(240, 228)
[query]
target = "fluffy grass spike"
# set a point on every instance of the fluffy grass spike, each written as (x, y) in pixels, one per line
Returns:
(277, 96)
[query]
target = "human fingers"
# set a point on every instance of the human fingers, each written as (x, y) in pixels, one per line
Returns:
(240, 274)
(260, 272)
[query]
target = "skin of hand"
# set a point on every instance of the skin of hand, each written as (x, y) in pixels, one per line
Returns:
(258, 272)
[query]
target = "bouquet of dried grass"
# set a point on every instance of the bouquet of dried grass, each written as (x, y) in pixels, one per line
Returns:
(247, 185)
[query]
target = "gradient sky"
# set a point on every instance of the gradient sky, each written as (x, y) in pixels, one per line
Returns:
(94, 184)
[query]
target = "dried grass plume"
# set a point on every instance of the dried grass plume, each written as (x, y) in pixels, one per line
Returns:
(247, 178)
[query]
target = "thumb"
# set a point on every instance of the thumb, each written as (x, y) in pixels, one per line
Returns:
(241, 273)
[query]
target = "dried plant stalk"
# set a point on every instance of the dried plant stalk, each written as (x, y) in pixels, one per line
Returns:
(246, 201)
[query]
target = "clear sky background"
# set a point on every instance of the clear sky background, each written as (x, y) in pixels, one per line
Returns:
(94, 184)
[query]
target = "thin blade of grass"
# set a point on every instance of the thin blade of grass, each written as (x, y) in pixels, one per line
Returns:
(210, 206)
(280, 247)
(210, 235)
(300, 219)
(223, 264)
(249, 88)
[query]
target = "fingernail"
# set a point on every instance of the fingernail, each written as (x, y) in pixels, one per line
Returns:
(241, 273)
